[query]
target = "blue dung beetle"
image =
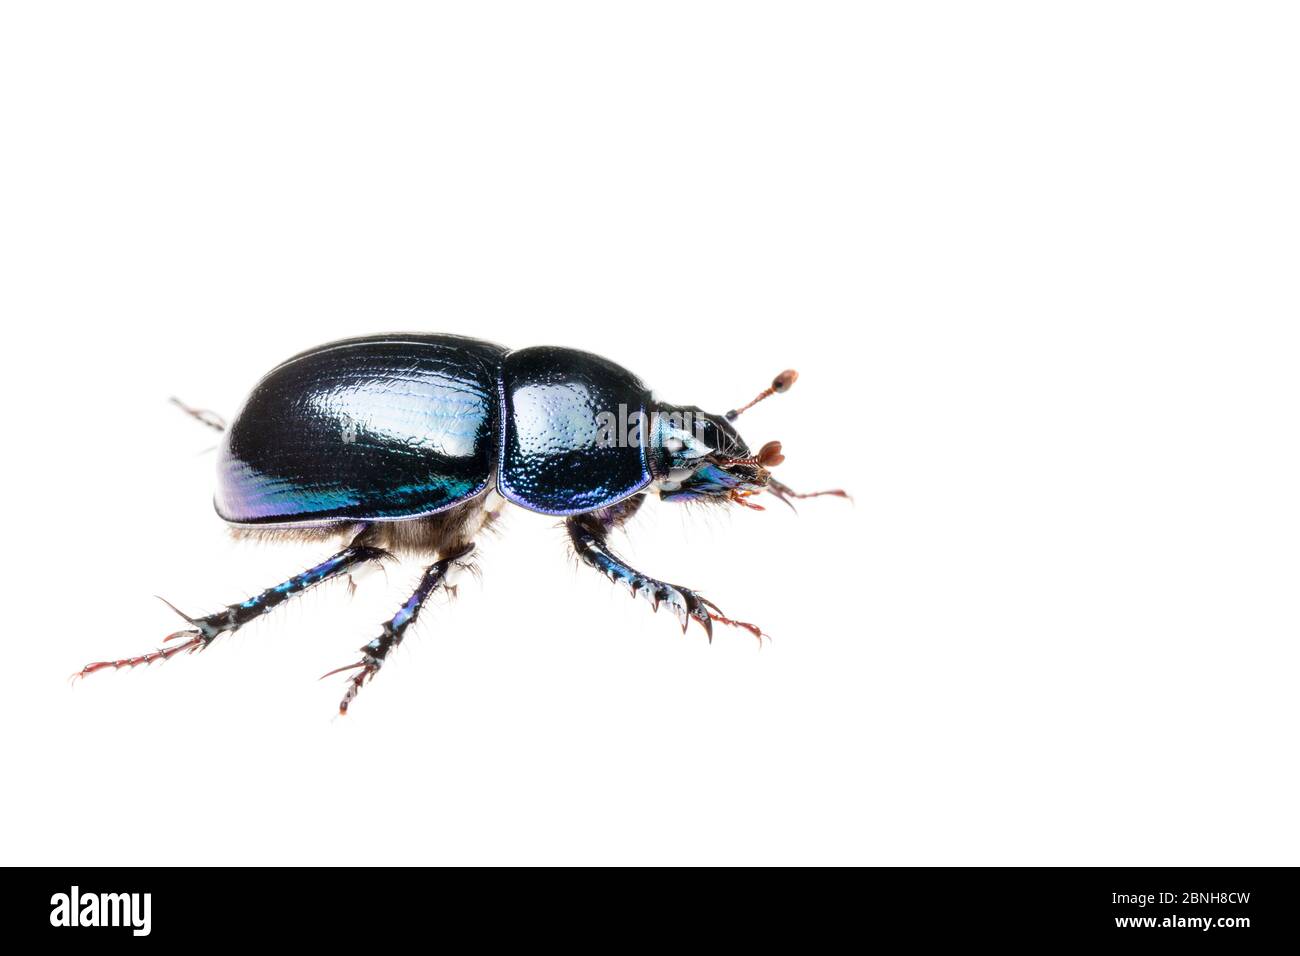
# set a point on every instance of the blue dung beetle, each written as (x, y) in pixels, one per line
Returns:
(413, 443)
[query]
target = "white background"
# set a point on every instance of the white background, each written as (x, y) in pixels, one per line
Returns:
(1035, 262)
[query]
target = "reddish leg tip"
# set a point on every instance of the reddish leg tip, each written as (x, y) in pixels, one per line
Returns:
(354, 683)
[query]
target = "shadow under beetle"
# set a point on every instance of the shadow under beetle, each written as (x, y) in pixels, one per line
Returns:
(413, 443)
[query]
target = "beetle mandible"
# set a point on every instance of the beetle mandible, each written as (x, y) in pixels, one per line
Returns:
(413, 443)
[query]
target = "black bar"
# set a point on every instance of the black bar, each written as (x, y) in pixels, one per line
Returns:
(1225, 907)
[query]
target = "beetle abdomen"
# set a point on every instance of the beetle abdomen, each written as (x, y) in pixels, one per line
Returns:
(556, 457)
(385, 427)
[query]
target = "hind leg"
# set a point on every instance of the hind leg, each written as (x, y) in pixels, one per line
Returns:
(392, 631)
(204, 630)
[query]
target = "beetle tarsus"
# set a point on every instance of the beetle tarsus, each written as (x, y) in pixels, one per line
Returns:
(716, 613)
(355, 683)
(195, 642)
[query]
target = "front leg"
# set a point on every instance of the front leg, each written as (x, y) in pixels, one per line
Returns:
(588, 532)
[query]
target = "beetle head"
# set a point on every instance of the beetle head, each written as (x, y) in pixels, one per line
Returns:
(699, 456)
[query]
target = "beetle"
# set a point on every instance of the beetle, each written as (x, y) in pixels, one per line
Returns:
(413, 443)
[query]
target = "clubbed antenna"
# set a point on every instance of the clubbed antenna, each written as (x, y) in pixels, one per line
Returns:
(779, 384)
(769, 456)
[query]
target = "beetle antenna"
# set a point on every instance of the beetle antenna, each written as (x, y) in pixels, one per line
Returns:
(769, 456)
(779, 384)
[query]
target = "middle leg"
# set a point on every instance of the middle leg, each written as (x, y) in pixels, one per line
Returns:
(376, 651)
